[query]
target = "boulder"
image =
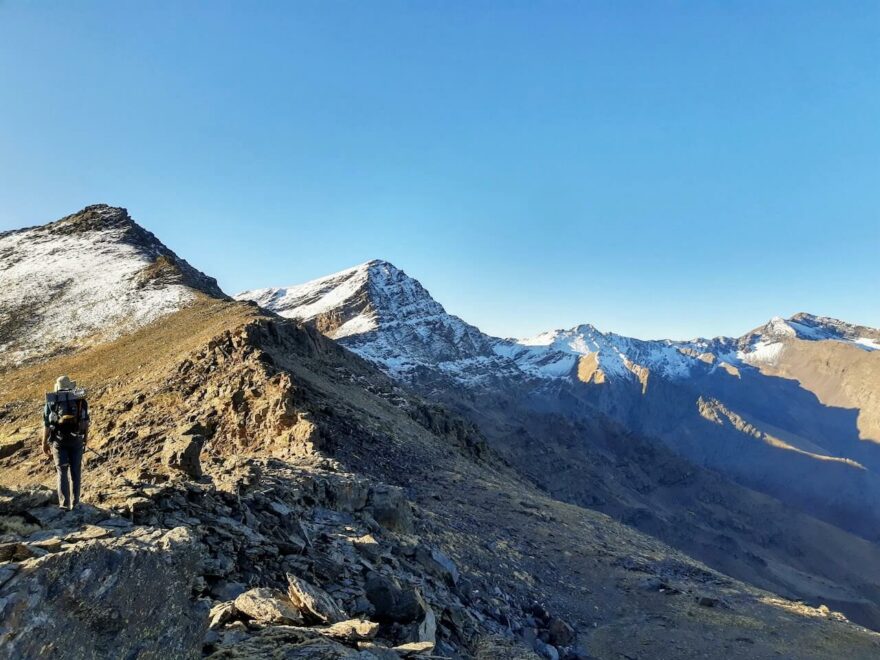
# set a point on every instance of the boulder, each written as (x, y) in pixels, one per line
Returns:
(392, 601)
(16, 502)
(561, 634)
(123, 597)
(390, 508)
(268, 606)
(546, 650)
(221, 614)
(314, 603)
(182, 453)
(352, 630)
(707, 601)
(413, 649)
(425, 631)
(437, 564)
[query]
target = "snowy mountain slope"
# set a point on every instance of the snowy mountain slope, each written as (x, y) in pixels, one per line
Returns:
(387, 317)
(86, 278)
(557, 353)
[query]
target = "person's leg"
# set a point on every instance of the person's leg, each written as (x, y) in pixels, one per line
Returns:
(75, 457)
(62, 461)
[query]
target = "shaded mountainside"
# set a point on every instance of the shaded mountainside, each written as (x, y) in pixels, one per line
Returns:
(644, 430)
(307, 451)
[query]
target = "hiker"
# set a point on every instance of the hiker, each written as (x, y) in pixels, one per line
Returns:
(65, 433)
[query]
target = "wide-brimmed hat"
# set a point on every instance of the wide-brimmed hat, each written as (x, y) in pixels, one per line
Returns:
(64, 383)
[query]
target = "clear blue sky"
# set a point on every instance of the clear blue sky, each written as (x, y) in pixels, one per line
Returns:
(655, 168)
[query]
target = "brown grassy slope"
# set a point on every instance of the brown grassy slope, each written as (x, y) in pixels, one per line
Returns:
(257, 384)
(839, 374)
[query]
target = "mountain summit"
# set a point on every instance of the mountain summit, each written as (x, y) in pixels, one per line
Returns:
(389, 318)
(88, 277)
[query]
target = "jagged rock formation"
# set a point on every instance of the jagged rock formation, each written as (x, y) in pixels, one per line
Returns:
(329, 492)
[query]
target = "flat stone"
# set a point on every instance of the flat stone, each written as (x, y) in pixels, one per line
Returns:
(352, 630)
(312, 601)
(53, 544)
(268, 606)
(89, 533)
(414, 648)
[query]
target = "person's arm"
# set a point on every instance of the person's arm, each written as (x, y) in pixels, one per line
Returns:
(46, 432)
(84, 424)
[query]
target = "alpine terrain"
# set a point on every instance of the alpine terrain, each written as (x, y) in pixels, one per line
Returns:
(758, 455)
(343, 470)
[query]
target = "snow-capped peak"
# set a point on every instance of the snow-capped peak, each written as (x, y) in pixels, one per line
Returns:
(388, 317)
(86, 278)
(353, 301)
(765, 344)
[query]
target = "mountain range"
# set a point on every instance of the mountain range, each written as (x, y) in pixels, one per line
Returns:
(342, 469)
(788, 410)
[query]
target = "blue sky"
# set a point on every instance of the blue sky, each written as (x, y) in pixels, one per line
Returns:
(660, 169)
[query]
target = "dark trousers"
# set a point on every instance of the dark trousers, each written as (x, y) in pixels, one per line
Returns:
(68, 458)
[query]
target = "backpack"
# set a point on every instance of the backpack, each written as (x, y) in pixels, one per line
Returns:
(66, 410)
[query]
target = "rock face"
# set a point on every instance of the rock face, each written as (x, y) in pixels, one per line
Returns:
(182, 453)
(123, 597)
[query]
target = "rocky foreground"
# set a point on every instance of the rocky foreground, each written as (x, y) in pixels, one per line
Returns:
(170, 570)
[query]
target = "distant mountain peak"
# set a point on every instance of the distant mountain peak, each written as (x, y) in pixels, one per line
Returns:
(388, 317)
(810, 327)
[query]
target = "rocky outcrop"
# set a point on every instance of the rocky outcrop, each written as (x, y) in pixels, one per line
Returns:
(181, 452)
(123, 596)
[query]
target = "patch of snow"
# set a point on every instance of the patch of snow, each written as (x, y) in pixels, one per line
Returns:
(762, 352)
